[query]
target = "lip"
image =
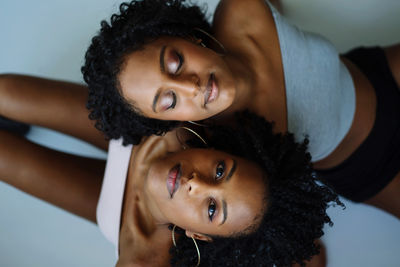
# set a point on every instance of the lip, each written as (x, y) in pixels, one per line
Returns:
(173, 179)
(212, 90)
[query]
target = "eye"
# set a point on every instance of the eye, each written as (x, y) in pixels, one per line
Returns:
(212, 207)
(220, 170)
(168, 101)
(175, 62)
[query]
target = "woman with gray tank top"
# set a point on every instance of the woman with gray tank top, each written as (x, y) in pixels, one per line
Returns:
(149, 74)
(347, 106)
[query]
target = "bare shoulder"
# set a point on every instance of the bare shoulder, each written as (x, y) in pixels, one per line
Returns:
(238, 18)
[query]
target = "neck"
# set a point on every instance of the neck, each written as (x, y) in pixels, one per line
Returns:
(244, 83)
(136, 217)
(142, 238)
(142, 242)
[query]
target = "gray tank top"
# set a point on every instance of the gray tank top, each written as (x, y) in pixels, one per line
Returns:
(320, 93)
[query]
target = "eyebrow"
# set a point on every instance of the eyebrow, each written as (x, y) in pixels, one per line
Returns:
(225, 212)
(162, 68)
(155, 100)
(224, 205)
(162, 65)
(233, 169)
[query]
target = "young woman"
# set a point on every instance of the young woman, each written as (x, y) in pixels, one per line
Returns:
(156, 63)
(249, 201)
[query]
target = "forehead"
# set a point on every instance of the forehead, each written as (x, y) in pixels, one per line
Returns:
(140, 72)
(140, 66)
(140, 77)
(247, 194)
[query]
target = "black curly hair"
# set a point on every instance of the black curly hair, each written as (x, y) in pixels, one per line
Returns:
(136, 24)
(296, 211)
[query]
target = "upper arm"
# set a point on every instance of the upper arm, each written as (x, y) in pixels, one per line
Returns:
(58, 105)
(68, 181)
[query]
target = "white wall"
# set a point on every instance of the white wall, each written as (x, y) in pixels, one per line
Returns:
(49, 38)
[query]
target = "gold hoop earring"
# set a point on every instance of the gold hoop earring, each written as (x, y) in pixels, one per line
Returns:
(212, 38)
(194, 241)
(191, 131)
(198, 124)
(173, 235)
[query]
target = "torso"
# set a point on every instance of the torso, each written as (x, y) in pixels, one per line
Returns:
(259, 39)
(363, 121)
(256, 41)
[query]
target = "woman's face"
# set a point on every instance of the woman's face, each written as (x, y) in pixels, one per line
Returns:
(176, 79)
(206, 191)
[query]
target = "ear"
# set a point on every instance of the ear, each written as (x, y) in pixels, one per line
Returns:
(195, 40)
(198, 236)
(198, 41)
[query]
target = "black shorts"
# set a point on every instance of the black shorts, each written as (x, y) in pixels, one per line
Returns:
(377, 160)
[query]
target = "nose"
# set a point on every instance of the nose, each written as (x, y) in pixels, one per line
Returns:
(187, 85)
(196, 185)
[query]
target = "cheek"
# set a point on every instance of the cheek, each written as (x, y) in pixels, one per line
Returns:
(252, 198)
(202, 115)
(175, 217)
(181, 215)
(186, 110)
(227, 98)
(193, 112)
(156, 185)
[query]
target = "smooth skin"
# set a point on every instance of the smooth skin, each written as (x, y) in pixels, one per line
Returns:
(207, 177)
(146, 200)
(257, 30)
(173, 84)
(83, 131)
(251, 69)
(75, 182)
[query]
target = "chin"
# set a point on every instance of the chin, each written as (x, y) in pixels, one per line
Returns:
(227, 103)
(154, 186)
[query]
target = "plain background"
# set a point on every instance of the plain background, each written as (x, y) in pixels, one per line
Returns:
(48, 38)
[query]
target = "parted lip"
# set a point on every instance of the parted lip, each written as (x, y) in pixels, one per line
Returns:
(173, 179)
(211, 90)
